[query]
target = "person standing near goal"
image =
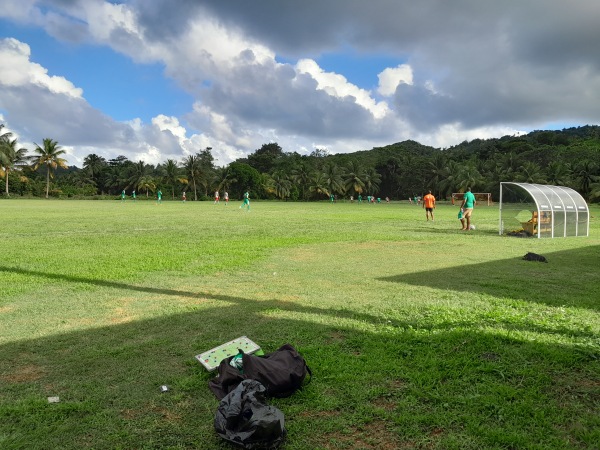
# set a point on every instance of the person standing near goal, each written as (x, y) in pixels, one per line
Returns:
(467, 206)
(429, 205)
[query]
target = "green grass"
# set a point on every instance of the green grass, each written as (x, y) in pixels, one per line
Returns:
(418, 335)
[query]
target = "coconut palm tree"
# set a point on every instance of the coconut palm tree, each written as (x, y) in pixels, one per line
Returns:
(49, 155)
(372, 180)
(191, 164)
(354, 178)
(11, 157)
(333, 178)
(281, 184)
(94, 165)
(530, 172)
(318, 184)
(146, 183)
(302, 175)
(137, 172)
(172, 175)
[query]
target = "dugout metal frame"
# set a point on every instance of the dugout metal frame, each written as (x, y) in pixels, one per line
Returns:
(542, 211)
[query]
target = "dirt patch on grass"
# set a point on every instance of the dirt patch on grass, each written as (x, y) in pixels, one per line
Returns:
(370, 436)
(336, 337)
(24, 374)
(120, 316)
(319, 414)
(387, 403)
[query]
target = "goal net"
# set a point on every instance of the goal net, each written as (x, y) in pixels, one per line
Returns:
(480, 197)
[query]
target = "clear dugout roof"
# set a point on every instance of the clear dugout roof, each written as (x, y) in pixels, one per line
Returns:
(543, 210)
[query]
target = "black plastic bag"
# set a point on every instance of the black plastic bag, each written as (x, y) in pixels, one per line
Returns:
(244, 419)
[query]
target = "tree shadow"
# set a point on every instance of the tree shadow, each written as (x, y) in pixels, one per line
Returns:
(569, 278)
(108, 379)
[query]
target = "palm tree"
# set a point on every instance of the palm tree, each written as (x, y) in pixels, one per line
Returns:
(193, 171)
(302, 176)
(11, 157)
(372, 180)
(558, 173)
(354, 178)
(172, 175)
(469, 176)
(138, 171)
(585, 172)
(318, 184)
(333, 178)
(530, 172)
(281, 184)
(146, 183)
(224, 178)
(50, 156)
(94, 165)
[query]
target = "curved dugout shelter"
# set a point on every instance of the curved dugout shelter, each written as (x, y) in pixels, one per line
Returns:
(542, 211)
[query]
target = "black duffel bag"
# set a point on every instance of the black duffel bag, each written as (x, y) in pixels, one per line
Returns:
(281, 373)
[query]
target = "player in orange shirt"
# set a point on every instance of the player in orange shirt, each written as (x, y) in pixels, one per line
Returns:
(429, 205)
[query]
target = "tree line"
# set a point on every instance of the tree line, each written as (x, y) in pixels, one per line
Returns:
(568, 157)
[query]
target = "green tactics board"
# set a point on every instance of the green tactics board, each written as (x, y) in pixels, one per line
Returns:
(213, 357)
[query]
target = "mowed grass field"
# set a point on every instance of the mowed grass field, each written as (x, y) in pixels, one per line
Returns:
(418, 335)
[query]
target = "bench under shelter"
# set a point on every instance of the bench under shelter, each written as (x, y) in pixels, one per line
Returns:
(542, 211)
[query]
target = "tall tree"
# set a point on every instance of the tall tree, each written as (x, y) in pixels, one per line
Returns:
(319, 185)
(333, 179)
(193, 170)
(11, 157)
(49, 155)
(172, 175)
(372, 180)
(94, 165)
(302, 176)
(354, 178)
(138, 172)
(281, 184)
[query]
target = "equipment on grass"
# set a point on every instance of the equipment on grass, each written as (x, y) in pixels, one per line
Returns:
(213, 357)
(471, 227)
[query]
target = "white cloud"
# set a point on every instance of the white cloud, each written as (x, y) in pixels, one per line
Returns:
(390, 78)
(17, 70)
(337, 85)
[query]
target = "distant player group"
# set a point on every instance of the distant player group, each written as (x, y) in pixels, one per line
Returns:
(428, 201)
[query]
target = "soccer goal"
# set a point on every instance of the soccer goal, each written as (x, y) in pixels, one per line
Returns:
(480, 197)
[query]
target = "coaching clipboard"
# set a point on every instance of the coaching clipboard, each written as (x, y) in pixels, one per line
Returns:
(211, 359)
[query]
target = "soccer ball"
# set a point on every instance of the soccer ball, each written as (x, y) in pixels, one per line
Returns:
(472, 227)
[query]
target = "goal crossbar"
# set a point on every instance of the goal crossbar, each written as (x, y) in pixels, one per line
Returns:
(480, 197)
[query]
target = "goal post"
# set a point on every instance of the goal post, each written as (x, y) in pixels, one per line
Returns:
(480, 198)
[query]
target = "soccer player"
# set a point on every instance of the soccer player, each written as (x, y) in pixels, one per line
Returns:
(429, 205)
(246, 200)
(133, 196)
(123, 195)
(467, 206)
(226, 198)
(216, 197)
(183, 197)
(159, 196)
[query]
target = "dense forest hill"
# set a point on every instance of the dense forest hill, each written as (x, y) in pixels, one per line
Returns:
(568, 157)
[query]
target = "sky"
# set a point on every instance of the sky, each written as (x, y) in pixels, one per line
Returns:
(164, 79)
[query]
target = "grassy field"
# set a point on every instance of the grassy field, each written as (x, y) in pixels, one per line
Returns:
(418, 335)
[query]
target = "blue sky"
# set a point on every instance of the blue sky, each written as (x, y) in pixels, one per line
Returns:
(166, 79)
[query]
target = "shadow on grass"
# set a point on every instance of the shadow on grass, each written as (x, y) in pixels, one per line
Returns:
(391, 387)
(570, 278)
